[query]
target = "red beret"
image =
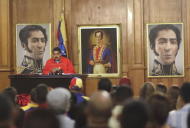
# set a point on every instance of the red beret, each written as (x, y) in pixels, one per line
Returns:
(124, 81)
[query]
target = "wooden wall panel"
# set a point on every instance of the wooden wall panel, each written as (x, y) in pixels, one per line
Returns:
(4, 81)
(164, 12)
(85, 12)
(32, 12)
(5, 43)
(4, 36)
(132, 15)
(135, 43)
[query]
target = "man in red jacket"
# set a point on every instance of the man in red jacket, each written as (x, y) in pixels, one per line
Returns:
(58, 64)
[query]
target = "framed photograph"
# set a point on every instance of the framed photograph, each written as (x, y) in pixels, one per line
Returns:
(99, 50)
(33, 47)
(165, 50)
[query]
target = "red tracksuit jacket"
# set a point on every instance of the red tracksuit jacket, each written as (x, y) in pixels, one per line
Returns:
(65, 64)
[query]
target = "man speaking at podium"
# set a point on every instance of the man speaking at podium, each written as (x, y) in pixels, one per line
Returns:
(58, 64)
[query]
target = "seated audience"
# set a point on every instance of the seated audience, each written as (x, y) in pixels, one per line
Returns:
(58, 100)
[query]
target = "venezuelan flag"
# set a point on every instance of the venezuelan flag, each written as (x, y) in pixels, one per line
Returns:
(61, 36)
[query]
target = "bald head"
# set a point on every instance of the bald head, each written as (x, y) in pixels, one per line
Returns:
(100, 104)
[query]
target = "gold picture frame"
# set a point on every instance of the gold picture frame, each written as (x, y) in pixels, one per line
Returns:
(99, 50)
(33, 47)
(165, 50)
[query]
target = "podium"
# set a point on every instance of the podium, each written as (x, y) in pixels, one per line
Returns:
(24, 83)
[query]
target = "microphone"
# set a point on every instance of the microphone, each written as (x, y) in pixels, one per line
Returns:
(57, 61)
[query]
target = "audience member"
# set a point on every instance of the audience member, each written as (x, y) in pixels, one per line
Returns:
(11, 93)
(6, 112)
(99, 110)
(161, 88)
(105, 84)
(178, 119)
(125, 82)
(80, 116)
(121, 94)
(59, 101)
(159, 110)
(180, 103)
(134, 114)
(146, 90)
(41, 93)
(33, 101)
(173, 93)
(41, 118)
(18, 113)
(76, 86)
(114, 121)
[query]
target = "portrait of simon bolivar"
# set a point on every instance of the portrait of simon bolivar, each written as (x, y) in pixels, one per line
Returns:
(99, 50)
(32, 47)
(165, 50)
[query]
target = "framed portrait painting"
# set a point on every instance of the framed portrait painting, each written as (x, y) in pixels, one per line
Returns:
(165, 50)
(33, 47)
(99, 50)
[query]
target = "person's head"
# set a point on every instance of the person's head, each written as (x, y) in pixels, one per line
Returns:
(134, 114)
(146, 90)
(56, 52)
(76, 84)
(59, 99)
(121, 94)
(105, 84)
(99, 108)
(165, 41)
(6, 112)
(33, 95)
(98, 36)
(184, 92)
(41, 118)
(41, 93)
(11, 93)
(159, 109)
(124, 82)
(173, 93)
(161, 88)
(33, 39)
